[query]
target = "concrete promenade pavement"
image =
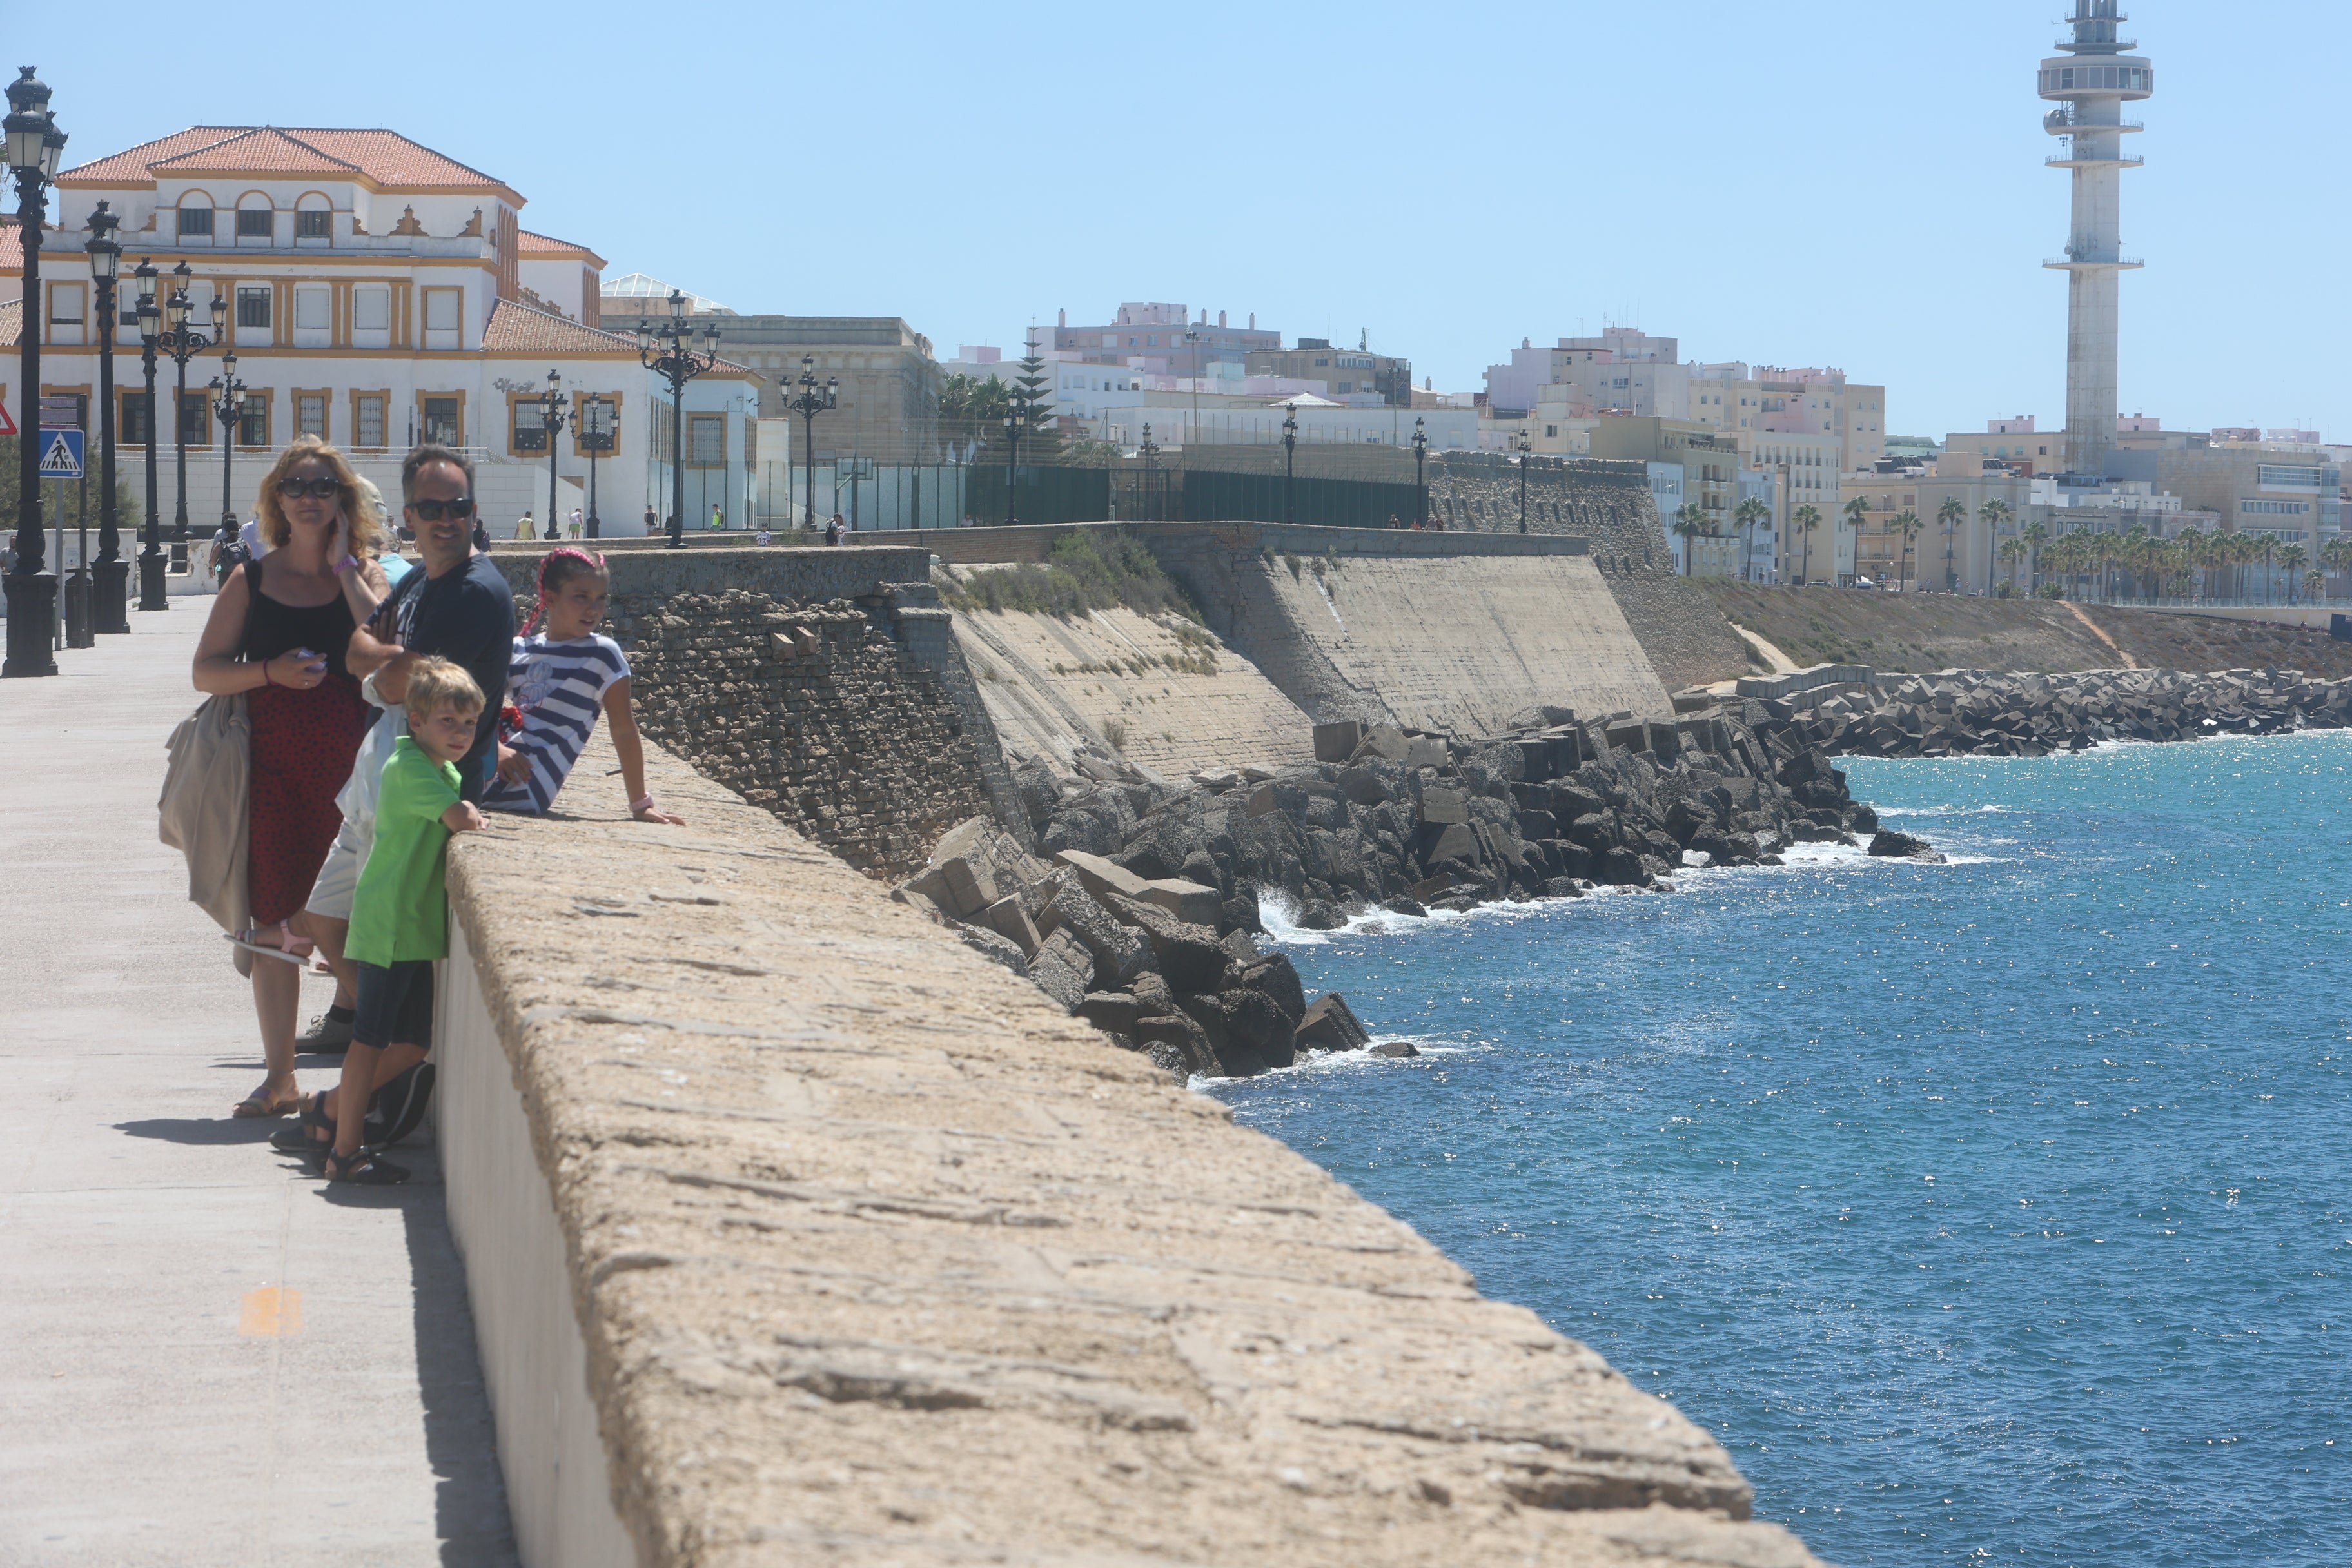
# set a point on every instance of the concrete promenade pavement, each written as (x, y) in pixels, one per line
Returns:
(208, 1356)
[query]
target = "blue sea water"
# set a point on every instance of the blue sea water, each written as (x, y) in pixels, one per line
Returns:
(1988, 1211)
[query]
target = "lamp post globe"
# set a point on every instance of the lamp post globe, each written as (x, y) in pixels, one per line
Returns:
(34, 143)
(552, 417)
(151, 595)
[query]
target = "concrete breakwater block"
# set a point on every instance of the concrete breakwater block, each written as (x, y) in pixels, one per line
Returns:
(1338, 743)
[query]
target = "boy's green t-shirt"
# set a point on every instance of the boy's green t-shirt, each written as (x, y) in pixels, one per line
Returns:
(400, 911)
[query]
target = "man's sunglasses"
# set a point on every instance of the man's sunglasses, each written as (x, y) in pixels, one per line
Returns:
(434, 510)
(295, 490)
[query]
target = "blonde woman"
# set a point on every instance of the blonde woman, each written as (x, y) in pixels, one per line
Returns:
(278, 632)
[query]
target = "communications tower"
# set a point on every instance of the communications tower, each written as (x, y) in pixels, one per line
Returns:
(2095, 77)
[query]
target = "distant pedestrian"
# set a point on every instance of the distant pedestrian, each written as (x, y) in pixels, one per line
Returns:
(718, 519)
(649, 522)
(765, 537)
(1394, 523)
(833, 529)
(527, 528)
(967, 521)
(575, 522)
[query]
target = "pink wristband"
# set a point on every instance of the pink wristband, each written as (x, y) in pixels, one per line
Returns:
(347, 563)
(643, 803)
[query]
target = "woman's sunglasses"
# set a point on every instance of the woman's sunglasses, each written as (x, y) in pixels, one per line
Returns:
(295, 490)
(433, 510)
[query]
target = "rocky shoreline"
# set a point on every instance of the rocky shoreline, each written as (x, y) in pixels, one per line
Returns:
(1966, 712)
(1138, 910)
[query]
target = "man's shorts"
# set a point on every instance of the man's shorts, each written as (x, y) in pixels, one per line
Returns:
(339, 873)
(396, 1005)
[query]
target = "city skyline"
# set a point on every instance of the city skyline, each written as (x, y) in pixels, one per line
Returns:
(1913, 262)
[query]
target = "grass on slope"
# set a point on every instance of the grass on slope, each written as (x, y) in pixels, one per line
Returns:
(1084, 572)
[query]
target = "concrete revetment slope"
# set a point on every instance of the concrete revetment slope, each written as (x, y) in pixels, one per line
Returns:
(873, 1257)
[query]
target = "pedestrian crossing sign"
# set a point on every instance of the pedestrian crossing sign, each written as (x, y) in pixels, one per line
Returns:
(60, 454)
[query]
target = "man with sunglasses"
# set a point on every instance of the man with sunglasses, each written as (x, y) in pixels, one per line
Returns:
(458, 608)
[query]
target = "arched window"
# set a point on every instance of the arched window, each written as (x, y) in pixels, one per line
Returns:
(195, 217)
(256, 218)
(314, 219)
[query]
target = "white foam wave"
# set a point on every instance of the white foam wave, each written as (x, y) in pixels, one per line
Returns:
(1364, 1060)
(1885, 811)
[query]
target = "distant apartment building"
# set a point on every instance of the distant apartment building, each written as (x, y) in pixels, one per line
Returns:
(1690, 462)
(1626, 372)
(1968, 551)
(2294, 497)
(1162, 337)
(889, 382)
(1345, 373)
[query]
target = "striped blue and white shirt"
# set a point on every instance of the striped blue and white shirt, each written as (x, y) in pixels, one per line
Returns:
(560, 687)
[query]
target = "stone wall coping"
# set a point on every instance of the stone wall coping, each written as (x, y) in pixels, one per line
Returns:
(982, 546)
(876, 1257)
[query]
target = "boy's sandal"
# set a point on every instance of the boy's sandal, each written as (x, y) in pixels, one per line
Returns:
(314, 1135)
(261, 1104)
(361, 1168)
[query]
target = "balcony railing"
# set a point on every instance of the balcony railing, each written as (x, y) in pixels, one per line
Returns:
(2064, 122)
(2077, 156)
(2093, 260)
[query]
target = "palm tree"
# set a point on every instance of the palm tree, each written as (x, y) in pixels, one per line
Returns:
(2035, 537)
(2336, 554)
(2314, 583)
(2292, 557)
(1948, 517)
(1747, 514)
(1692, 523)
(1994, 512)
(1908, 524)
(1804, 520)
(2012, 551)
(1857, 512)
(2270, 553)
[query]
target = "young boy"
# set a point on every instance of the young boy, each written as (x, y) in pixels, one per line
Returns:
(400, 916)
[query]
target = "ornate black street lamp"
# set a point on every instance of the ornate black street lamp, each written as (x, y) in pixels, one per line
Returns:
(183, 342)
(1146, 450)
(229, 407)
(808, 403)
(111, 573)
(595, 436)
(151, 590)
(1420, 454)
(666, 348)
(35, 144)
(1017, 421)
(552, 418)
(1526, 447)
(1290, 462)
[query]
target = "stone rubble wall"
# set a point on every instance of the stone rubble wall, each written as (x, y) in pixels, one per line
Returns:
(873, 743)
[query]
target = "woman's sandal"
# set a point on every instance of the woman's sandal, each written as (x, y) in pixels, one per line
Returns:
(261, 1104)
(361, 1168)
(250, 939)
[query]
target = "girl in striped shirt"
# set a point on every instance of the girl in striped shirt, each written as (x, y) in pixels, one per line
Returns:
(559, 679)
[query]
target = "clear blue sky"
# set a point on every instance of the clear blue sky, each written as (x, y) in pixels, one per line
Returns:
(1829, 183)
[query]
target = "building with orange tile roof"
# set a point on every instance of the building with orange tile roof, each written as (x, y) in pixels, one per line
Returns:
(377, 292)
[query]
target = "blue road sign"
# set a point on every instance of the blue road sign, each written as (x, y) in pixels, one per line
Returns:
(60, 454)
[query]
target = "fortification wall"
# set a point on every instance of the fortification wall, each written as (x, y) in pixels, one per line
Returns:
(875, 1257)
(1158, 690)
(1433, 631)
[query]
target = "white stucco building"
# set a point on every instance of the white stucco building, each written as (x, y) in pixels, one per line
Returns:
(379, 293)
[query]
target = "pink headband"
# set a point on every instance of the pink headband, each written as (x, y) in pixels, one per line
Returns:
(547, 567)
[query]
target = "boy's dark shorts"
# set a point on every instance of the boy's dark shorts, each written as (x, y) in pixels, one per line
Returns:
(396, 1004)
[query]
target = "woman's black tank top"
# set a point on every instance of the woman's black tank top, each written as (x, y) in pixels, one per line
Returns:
(272, 628)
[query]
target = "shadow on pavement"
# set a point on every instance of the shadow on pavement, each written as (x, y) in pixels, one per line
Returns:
(215, 1130)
